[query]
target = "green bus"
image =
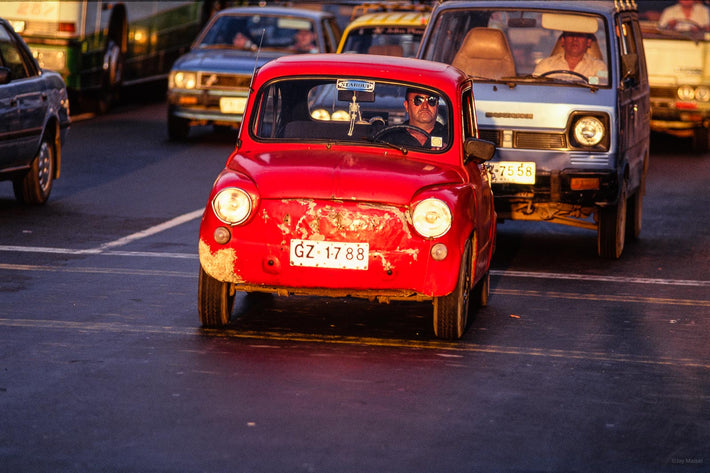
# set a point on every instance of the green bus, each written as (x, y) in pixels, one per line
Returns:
(100, 46)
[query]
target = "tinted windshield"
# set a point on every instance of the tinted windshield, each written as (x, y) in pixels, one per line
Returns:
(350, 109)
(545, 47)
(272, 32)
(387, 40)
(685, 19)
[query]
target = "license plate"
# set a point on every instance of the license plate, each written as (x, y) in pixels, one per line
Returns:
(514, 172)
(232, 104)
(329, 254)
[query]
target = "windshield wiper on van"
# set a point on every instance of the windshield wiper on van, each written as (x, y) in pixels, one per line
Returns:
(561, 80)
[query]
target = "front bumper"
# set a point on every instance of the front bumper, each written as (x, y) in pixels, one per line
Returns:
(206, 107)
(400, 265)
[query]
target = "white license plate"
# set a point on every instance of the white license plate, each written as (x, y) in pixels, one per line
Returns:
(515, 172)
(232, 104)
(329, 254)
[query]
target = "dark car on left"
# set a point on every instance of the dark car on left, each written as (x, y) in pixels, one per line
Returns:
(34, 120)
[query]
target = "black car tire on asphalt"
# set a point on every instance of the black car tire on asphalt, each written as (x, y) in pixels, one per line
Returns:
(178, 128)
(451, 311)
(36, 185)
(214, 301)
(611, 233)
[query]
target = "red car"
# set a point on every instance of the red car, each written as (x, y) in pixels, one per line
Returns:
(353, 176)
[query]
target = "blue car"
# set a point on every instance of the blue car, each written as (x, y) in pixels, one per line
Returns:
(34, 120)
(209, 85)
(562, 89)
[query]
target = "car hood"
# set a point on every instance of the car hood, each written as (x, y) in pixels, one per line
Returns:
(537, 107)
(331, 174)
(223, 60)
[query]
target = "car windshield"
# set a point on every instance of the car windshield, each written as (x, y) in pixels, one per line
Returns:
(523, 45)
(352, 109)
(248, 32)
(668, 20)
(386, 40)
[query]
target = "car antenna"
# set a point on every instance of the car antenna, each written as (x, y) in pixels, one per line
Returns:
(251, 82)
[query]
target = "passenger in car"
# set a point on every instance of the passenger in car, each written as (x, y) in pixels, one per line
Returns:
(686, 15)
(422, 110)
(574, 56)
(304, 42)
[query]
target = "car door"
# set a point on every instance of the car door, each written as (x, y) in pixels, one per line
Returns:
(23, 103)
(634, 108)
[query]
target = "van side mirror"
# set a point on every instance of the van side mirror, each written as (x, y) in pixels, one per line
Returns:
(476, 148)
(5, 75)
(630, 65)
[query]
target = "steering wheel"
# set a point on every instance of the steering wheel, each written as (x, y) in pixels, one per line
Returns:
(391, 129)
(565, 71)
(695, 26)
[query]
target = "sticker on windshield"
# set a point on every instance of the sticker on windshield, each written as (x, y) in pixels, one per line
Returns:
(356, 85)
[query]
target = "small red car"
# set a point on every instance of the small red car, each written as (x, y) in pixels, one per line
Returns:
(353, 176)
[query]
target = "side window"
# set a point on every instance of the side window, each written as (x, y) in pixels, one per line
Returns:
(469, 114)
(11, 56)
(331, 39)
(629, 51)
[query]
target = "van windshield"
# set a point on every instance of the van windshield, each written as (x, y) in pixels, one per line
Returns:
(523, 45)
(664, 20)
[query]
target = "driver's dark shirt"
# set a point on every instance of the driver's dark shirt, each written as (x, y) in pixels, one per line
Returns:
(404, 138)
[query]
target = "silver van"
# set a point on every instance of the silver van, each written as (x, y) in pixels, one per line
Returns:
(562, 90)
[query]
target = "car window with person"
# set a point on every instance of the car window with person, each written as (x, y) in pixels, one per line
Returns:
(573, 56)
(686, 15)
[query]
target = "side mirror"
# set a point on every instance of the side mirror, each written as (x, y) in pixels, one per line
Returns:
(476, 148)
(630, 65)
(5, 75)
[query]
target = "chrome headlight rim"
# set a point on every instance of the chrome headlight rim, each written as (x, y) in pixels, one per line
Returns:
(686, 92)
(232, 205)
(431, 217)
(589, 131)
(702, 93)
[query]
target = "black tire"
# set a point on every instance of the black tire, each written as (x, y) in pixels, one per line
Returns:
(482, 291)
(35, 186)
(451, 311)
(611, 232)
(178, 128)
(701, 140)
(112, 78)
(215, 301)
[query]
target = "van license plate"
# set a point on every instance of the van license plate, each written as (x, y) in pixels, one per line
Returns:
(329, 254)
(512, 172)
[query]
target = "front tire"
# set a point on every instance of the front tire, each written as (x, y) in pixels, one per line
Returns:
(451, 311)
(35, 186)
(215, 301)
(178, 128)
(611, 232)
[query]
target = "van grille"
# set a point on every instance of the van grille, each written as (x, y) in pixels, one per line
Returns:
(527, 139)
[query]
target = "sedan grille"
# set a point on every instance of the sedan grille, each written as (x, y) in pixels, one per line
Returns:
(224, 81)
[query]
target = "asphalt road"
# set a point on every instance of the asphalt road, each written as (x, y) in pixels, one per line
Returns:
(578, 364)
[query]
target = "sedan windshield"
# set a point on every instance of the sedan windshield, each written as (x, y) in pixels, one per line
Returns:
(545, 47)
(249, 32)
(353, 109)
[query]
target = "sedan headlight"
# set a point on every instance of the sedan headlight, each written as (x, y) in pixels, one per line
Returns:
(686, 92)
(232, 205)
(702, 93)
(183, 80)
(589, 131)
(431, 218)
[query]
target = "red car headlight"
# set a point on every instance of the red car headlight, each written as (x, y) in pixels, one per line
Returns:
(232, 205)
(431, 218)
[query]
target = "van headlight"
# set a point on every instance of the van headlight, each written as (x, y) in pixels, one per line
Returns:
(183, 80)
(232, 205)
(431, 218)
(589, 131)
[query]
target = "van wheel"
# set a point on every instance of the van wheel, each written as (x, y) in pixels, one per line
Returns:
(451, 311)
(35, 186)
(701, 140)
(611, 230)
(215, 301)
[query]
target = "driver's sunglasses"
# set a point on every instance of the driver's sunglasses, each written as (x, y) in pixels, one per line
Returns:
(419, 99)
